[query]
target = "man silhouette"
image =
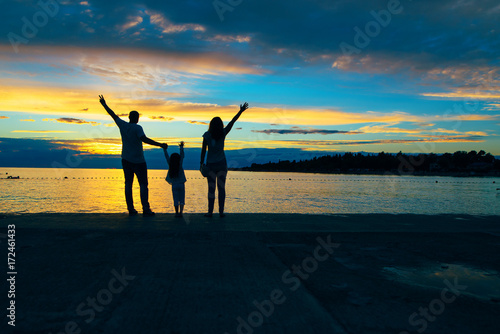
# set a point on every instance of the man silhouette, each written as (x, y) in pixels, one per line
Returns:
(133, 161)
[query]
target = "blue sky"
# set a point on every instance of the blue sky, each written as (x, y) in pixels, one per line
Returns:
(320, 76)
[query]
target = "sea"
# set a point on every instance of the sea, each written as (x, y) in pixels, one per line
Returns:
(57, 190)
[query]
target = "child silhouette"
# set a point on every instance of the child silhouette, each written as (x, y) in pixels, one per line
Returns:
(176, 178)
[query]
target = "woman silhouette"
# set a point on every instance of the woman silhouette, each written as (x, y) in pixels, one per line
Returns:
(213, 139)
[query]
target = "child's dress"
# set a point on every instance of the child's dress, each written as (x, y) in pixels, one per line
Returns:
(178, 189)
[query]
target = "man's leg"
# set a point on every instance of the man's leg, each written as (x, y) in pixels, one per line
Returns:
(128, 172)
(142, 176)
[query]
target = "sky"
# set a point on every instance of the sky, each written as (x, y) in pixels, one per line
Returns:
(321, 77)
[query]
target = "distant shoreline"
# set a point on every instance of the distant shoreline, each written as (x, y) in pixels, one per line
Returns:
(382, 173)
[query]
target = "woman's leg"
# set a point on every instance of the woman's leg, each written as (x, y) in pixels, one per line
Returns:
(211, 178)
(221, 185)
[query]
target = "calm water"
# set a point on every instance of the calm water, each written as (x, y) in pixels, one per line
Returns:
(101, 190)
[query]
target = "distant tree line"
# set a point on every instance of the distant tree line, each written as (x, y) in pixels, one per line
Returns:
(472, 162)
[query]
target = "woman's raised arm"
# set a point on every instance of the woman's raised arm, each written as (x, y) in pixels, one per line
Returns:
(229, 126)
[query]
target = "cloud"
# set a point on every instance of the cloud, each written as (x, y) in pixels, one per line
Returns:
(327, 144)
(162, 118)
(147, 68)
(418, 32)
(305, 131)
(198, 122)
(472, 117)
(132, 21)
(425, 131)
(387, 129)
(461, 94)
(4, 117)
(42, 131)
(23, 96)
(492, 106)
(27, 120)
(230, 39)
(454, 81)
(158, 19)
(70, 120)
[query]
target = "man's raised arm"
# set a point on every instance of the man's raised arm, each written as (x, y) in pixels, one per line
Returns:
(108, 109)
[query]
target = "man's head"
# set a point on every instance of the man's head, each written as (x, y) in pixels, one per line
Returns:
(133, 116)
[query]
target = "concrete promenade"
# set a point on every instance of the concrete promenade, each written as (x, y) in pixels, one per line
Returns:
(253, 273)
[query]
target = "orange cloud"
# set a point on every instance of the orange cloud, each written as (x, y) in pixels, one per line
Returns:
(42, 131)
(70, 120)
(418, 131)
(198, 122)
(133, 65)
(35, 97)
(386, 129)
(162, 118)
(27, 120)
(460, 94)
(477, 117)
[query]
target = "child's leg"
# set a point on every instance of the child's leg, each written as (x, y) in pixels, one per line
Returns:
(175, 195)
(182, 196)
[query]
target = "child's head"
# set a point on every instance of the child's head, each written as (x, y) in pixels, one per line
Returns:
(175, 164)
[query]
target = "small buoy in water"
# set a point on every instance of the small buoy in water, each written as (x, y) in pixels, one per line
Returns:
(436, 181)
(290, 179)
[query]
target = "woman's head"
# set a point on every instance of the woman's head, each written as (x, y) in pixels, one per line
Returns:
(175, 165)
(216, 128)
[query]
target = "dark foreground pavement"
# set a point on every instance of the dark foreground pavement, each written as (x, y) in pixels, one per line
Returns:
(253, 273)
